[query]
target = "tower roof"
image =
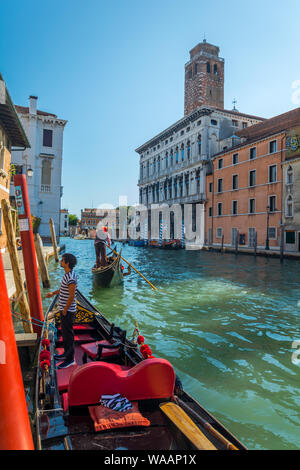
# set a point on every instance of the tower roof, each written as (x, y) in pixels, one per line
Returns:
(204, 48)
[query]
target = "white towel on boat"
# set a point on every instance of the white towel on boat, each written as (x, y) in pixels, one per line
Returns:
(116, 402)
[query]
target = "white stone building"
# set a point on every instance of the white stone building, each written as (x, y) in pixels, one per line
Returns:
(45, 134)
(64, 222)
(174, 163)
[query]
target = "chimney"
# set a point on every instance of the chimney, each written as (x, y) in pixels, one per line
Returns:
(32, 104)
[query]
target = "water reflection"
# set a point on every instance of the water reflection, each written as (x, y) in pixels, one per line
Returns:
(226, 323)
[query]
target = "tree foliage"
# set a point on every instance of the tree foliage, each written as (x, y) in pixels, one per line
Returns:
(73, 219)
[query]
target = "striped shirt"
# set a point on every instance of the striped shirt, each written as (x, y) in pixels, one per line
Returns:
(69, 278)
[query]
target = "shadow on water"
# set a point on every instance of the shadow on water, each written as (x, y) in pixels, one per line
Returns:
(227, 325)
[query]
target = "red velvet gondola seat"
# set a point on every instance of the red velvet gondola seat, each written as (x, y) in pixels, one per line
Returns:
(150, 379)
(91, 349)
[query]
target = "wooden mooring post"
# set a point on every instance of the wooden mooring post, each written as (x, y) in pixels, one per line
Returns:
(41, 260)
(237, 243)
(255, 243)
(53, 238)
(16, 268)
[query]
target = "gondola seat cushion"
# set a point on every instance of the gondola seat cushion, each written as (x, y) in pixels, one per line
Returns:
(150, 379)
(91, 349)
(63, 377)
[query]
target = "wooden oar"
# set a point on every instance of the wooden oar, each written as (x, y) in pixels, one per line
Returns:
(153, 287)
(184, 423)
(207, 426)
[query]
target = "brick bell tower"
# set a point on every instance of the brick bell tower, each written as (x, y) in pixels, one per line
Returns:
(204, 78)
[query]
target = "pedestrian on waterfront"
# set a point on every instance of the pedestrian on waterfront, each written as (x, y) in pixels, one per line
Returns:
(102, 237)
(67, 306)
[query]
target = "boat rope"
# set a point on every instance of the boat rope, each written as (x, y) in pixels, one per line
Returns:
(144, 348)
(34, 321)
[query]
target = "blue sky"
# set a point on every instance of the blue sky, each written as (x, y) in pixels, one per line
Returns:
(115, 71)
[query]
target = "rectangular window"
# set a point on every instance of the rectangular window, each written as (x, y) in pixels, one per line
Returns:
(272, 232)
(290, 237)
(210, 211)
(273, 146)
(272, 174)
(251, 206)
(210, 187)
(47, 137)
(219, 232)
(235, 158)
(252, 178)
(234, 235)
(220, 208)
(252, 153)
(235, 181)
(235, 123)
(234, 207)
(272, 203)
(220, 185)
(251, 237)
(245, 124)
(220, 163)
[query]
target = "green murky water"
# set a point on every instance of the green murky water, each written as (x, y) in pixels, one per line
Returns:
(226, 324)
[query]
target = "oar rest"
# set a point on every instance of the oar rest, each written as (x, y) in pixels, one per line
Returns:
(150, 379)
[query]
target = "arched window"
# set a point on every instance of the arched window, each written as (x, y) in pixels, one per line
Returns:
(148, 165)
(177, 153)
(208, 67)
(289, 175)
(158, 164)
(182, 152)
(199, 144)
(189, 150)
(289, 206)
(171, 158)
(215, 69)
(154, 165)
(46, 174)
(167, 160)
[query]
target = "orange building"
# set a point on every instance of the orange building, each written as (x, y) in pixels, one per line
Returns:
(12, 134)
(244, 189)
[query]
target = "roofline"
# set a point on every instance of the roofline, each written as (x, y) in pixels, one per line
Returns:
(201, 111)
(15, 116)
(247, 143)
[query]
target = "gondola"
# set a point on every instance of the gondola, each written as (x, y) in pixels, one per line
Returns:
(165, 244)
(110, 275)
(68, 413)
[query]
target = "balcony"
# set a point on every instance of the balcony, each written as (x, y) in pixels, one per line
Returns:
(45, 188)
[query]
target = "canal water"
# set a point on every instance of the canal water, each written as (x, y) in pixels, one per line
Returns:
(226, 323)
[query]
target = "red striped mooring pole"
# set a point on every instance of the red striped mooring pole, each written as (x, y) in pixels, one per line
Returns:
(15, 431)
(28, 250)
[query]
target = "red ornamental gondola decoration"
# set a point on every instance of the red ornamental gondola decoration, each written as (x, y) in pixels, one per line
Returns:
(45, 355)
(144, 348)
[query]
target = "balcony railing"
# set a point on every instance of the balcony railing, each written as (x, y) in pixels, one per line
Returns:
(45, 188)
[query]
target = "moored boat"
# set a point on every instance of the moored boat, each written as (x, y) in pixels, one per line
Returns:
(137, 243)
(166, 244)
(109, 275)
(68, 412)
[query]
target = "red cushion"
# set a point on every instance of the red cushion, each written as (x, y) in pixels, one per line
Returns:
(81, 337)
(92, 349)
(63, 377)
(151, 378)
(84, 327)
(64, 401)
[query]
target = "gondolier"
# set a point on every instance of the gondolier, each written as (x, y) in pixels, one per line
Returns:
(102, 237)
(67, 306)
